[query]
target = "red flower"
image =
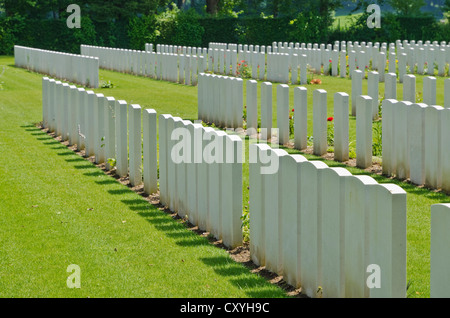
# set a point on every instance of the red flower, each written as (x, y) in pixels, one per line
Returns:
(330, 61)
(292, 109)
(330, 118)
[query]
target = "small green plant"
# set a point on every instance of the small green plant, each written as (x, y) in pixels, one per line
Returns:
(246, 224)
(377, 139)
(291, 122)
(111, 162)
(310, 141)
(243, 70)
(330, 131)
(106, 84)
(419, 97)
(380, 106)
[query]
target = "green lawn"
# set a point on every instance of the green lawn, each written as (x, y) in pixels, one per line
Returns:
(124, 246)
(345, 20)
(58, 209)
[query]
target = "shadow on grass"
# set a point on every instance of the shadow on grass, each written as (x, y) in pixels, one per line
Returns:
(254, 285)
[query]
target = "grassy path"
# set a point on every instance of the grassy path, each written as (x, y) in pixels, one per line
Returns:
(57, 209)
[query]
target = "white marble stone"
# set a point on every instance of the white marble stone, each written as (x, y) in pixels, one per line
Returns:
(110, 130)
(409, 88)
(99, 129)
(256, 205)
(232, 183)
(356, 254)
(400, 139)
(445, 150)
(150, 152)
(252, 107)
(357, 78)
(90, 100)
(333, 231)
(320, 122)
(121, 138)
(387, 237)
(341, 127)
(439, 259)
(433, 165)
(289, 204)
(364, 132)
(429, 90)
(373, 91)
(300, 117)
(390, 88)
(416, 142)
(283, 113)
(266, 110)
(135, 144)
(310, 225)
(387, 133)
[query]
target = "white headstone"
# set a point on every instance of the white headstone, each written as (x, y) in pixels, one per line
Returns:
(320, 122)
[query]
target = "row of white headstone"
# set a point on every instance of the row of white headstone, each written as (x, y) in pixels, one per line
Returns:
(326, 230)
(415, 143)
(214, 60)
(105, 128)
(410, 91)
(234, 61)
(286, 59)
(172, 67)
(201, 176)
(221, 99)
(207, 188)
(79, 69)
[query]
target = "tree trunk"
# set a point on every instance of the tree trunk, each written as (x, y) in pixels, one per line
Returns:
(212, 6)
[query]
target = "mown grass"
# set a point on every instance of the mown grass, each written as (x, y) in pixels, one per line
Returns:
(58, 209)
(58, 181)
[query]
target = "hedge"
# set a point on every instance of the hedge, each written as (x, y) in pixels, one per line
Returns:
(190, 30)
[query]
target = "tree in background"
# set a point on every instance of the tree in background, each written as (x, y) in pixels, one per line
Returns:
(407, 7)
(446, 9)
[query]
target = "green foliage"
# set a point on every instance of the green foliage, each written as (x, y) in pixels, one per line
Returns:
(165, 25)
(188, 30)
(10, 31)
(245, 217)
(85, 35)
(377, 139)
(142, 30)
(308, 25)
(132, 24)
(106, 84)
(243, 70)
(330, 134)
(179, 27)
(407, 8)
